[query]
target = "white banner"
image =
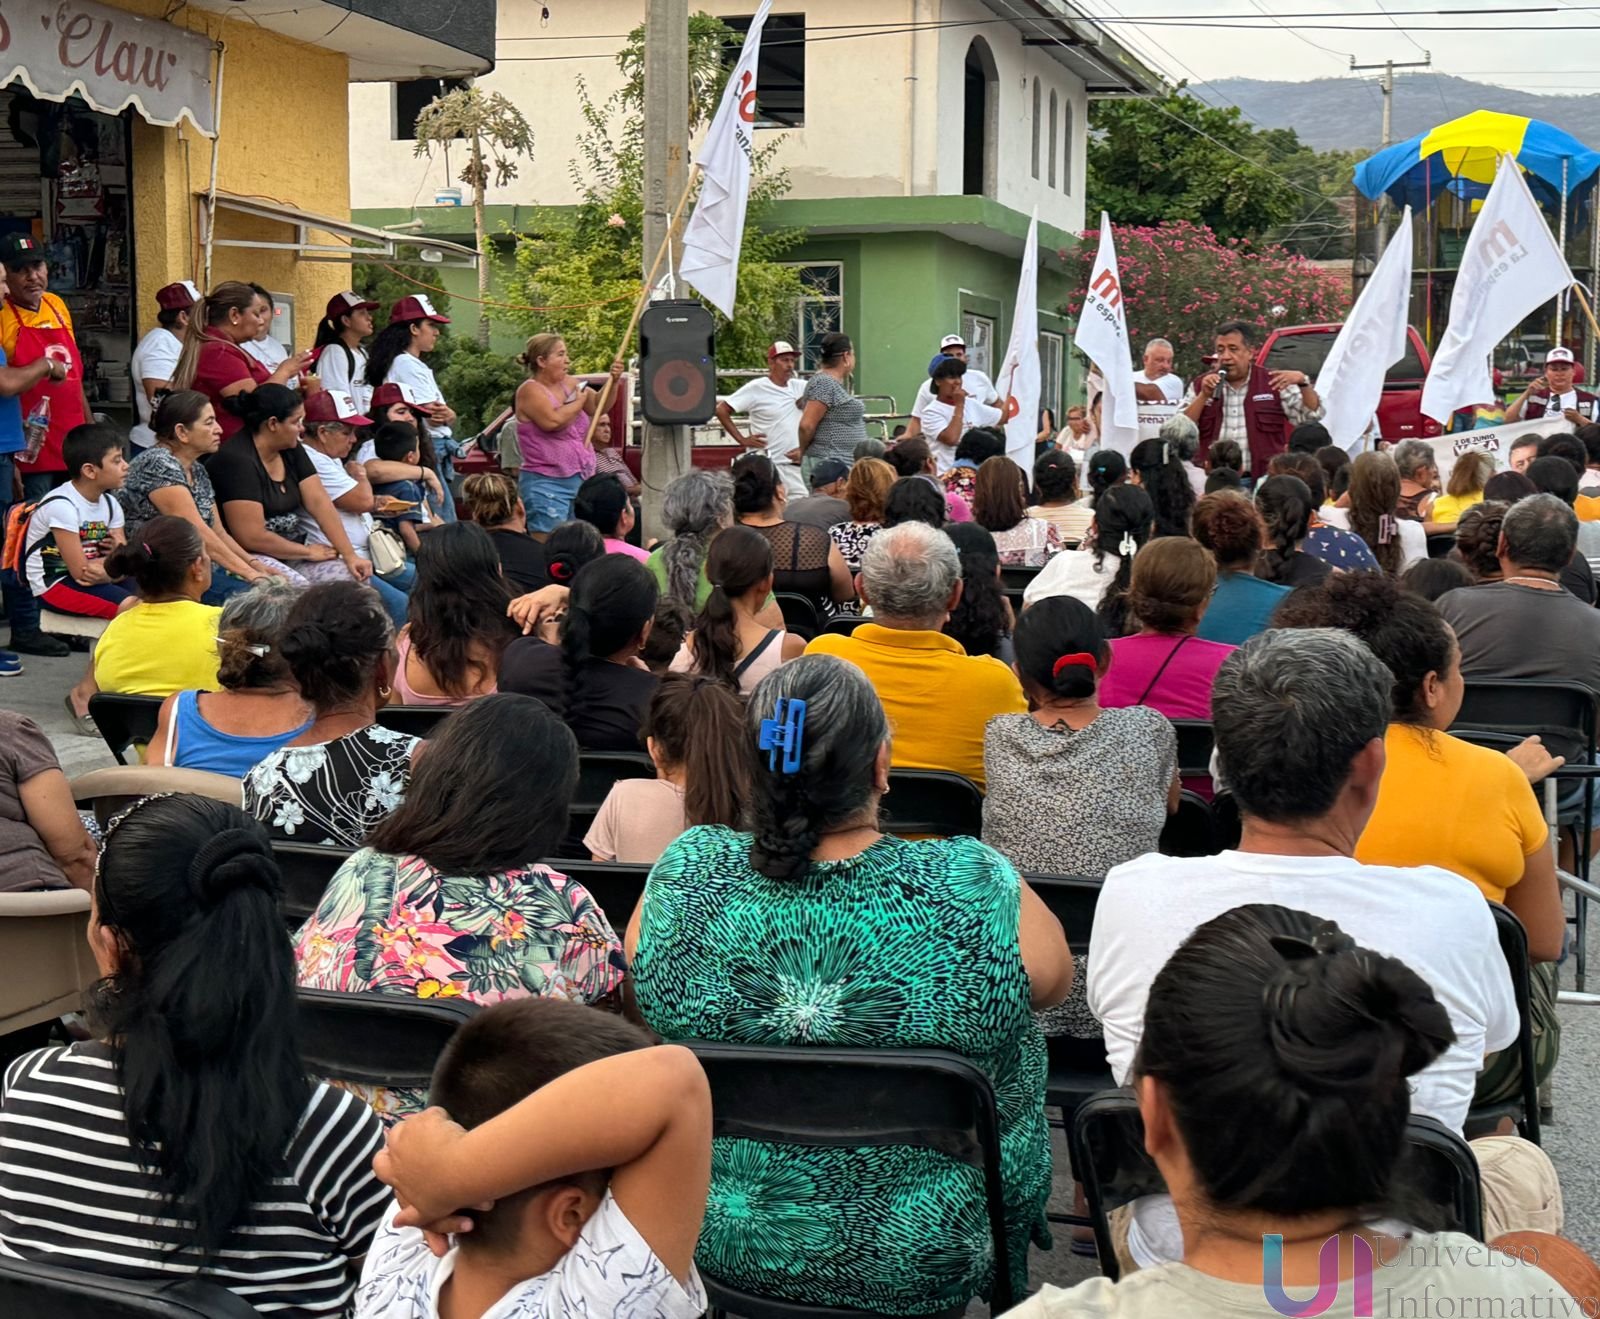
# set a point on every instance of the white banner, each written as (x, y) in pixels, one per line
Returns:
(1153, 416)
(1496, 441)
(1102, 336)
(110, 58)
(1511, 265)
(1371, 340)
(1018, 381)
(715, 232)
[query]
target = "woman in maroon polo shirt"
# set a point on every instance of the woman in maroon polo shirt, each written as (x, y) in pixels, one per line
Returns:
(214, 360)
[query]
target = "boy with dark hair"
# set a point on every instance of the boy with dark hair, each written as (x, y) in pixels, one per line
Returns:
(76, 526)
(397, 442)
(594, 1146)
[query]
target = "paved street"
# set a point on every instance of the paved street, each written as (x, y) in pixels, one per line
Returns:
(1573, 1139)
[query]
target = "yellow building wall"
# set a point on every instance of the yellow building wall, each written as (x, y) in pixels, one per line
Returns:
(285, 133)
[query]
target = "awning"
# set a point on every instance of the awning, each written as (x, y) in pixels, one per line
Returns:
(349, 241)
(113, 59)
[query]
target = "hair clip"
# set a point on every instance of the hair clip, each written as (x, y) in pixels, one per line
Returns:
(1166, 453)
(783, 732)
(1386, 528)
(1128, 545)
(560, 571)
(1067, 662)
(145, 546)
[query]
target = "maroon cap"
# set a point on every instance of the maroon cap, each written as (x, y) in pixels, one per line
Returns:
(342, 304)
(387, 395)
(177, 297)
(416, 308)
(333, 406)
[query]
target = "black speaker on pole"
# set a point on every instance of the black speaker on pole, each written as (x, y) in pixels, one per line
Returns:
(678, 363)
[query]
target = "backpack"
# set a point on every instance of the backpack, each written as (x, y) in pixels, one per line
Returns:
(14, 559)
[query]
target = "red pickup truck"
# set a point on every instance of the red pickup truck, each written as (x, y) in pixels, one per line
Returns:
(1305, 348)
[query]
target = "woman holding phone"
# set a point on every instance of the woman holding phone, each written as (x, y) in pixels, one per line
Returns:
(554, 423)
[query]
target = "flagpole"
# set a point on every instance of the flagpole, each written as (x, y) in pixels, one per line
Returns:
(1583, 301)
(649, 286)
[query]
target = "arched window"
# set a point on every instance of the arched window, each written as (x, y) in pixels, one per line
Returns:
(980, 119)
(1066, 155)
(1052, 179)
(1036, 131)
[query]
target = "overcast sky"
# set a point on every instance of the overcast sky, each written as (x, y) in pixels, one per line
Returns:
(1541, 52)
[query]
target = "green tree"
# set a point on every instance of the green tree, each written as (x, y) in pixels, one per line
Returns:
(1149, 165)
(586, 265)
(479, 382)
(496, 135)
(386, 288)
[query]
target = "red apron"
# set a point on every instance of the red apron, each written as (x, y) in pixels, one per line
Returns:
(66, 396)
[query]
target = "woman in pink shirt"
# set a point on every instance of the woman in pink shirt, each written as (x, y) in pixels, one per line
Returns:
(1165, 665)
(553, 420)
(603, 503)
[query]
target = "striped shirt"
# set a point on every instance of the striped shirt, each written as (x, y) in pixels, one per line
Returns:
(72, 1191)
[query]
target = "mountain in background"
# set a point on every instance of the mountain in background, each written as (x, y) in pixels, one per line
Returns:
(1348, 112)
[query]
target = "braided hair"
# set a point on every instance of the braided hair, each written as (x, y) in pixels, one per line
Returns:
(1285, 506)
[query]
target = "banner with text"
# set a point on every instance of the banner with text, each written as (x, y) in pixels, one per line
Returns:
(1495, 441)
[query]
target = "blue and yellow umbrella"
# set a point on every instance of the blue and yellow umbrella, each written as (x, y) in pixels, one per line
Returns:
(1460, 157)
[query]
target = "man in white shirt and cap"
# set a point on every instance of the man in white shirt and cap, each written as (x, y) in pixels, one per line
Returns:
(772, 404)
(975, 382)
(1155, 381)
(156, 357)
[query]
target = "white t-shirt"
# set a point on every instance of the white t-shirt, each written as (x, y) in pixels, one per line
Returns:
(156, 358)
(1073, 572)
(935, 416)
(1435, 922)
(334, 372)
(773, 411)
(610, 1270)
(269, 352)
(1171, 385)
(1413, 539)
(65, 509)
(410, 370)
(974, 381)
(336, 481)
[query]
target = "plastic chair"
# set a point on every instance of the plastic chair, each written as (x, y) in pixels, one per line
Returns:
(800, 614)
(856, 1097)
(1524, 1111)
(384, 1040)
(1196, 741)
(932, 802)
(124, 720)
(597, 771)
(1014, 579)
(30, 1290)
(307, 869)
(844, 625)
(417, 720)
(109, 791)
(615, 886)
(44, 947)
(1440, 544)
(1109, 1155)
(1191, 830)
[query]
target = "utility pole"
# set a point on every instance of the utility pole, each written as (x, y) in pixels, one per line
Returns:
(1388, 67)
(666, 167)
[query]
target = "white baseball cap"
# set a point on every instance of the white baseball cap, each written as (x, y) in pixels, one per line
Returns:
(1559, 355)
(781, 348)
(952, 341)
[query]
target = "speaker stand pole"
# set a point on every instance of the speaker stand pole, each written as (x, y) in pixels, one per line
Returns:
(666, 453)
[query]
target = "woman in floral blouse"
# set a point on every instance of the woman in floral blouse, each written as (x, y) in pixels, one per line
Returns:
(447, 900)
(344, 772)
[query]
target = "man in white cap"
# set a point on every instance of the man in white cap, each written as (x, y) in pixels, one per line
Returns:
(156, 357)
(976, 384)
(772, 403)
(1554, 392)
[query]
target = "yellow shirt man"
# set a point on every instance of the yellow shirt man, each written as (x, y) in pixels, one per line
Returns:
(938, 699)
(1444, 802)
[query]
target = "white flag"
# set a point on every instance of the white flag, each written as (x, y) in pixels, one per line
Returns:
(1102, 336)
(716, 229)
(1019, 380)
(1372, 339)
(1510, 266)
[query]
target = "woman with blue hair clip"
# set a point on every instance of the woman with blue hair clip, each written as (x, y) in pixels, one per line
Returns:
(817, 928)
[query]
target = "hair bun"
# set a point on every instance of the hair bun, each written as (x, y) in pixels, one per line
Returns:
(232, 860)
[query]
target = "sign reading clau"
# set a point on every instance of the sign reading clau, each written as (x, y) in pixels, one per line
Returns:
(111, 59)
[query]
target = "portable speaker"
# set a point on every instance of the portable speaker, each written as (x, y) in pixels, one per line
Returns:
(678, 363)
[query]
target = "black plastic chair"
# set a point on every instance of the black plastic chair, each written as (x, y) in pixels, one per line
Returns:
(800, 614)
(418, 720)
(1191, 830)
(843, 625)
(375, 1039)
(856, 1097)
(29, 1290)
(1077, 1067)
(124, 720)
(1440, 544)
(1109, 1155)
(932, 802)
(1016, 579)
(597, 771)
(615, 886)
(1196, 740)
(306, 869)
(1524, 1111)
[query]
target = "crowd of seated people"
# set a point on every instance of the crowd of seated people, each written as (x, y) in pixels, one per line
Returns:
(1344, 954)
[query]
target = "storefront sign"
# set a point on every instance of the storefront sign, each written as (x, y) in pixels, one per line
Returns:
(110, 58)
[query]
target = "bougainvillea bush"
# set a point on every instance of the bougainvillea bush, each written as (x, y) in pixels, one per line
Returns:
(1179, 280)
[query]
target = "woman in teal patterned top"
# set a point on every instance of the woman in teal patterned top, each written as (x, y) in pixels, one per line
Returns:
(818, 929)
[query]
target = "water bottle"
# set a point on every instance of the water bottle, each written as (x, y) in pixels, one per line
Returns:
(35, 429)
